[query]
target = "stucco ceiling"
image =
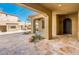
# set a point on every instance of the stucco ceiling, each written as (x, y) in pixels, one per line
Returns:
(62, 7)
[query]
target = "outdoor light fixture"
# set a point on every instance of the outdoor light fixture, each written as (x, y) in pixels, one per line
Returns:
(59, 5)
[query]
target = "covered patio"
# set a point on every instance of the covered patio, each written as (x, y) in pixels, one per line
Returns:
(54, 17)
(59, 25)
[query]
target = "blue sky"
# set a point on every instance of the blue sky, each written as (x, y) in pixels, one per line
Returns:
(21, 12)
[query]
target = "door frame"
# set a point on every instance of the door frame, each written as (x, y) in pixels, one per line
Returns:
(64, 26)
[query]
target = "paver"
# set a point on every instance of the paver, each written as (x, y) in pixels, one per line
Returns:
(18, 44)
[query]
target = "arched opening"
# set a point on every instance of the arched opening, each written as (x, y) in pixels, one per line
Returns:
(67, 26)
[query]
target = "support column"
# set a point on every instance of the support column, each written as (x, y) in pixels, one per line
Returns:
(54, 24)
(7, 27)
(33, 26)
(48, 26)
(40, 25)
(78, 24)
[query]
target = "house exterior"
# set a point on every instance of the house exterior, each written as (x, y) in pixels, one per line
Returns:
(9, 23)
(37, 24)
(65, 24)
(28, 26)
(59, 18)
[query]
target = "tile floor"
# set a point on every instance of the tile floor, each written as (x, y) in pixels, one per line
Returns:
(18, 44)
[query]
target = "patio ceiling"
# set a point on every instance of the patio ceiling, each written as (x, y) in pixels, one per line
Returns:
(62, 7)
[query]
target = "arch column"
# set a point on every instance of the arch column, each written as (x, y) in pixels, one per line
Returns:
(40, 25)
(48, 26)
(78, 25)
(54, 24)
(33, 26)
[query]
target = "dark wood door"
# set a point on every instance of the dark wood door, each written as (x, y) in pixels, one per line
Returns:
(67, 26)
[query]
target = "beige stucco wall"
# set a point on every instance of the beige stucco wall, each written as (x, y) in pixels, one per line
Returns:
(74, 18)
(18, 27)
(59, 27)
(36, 22)
(57, 23)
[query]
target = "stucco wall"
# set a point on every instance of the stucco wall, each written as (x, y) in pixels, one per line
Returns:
(60, 19)
(74, 18)
(57, 23)
(18, 27)
(3, 17)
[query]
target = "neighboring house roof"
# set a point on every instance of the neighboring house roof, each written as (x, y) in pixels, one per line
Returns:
(6, 18)
(5, 23)
(2, 13)
(7, 14)
(10, 15)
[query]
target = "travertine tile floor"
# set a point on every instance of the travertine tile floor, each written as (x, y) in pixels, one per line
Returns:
(65, 45)
(18, 44)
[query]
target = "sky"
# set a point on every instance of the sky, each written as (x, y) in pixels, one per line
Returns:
(13, 9)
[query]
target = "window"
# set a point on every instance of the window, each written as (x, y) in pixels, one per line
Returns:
(13, 27)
